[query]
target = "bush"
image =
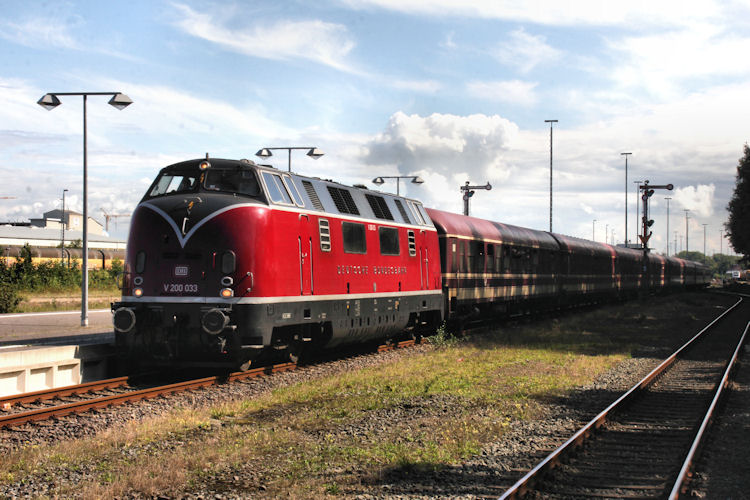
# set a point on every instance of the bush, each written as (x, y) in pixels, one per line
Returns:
(9, 297)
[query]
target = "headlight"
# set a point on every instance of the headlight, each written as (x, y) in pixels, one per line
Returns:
(226, 293)
(138, 292)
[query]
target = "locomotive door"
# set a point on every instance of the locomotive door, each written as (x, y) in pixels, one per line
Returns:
(424, 262)
(304, 242)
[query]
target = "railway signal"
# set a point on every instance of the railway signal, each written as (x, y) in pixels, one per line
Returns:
(469, 192)
(647, 191)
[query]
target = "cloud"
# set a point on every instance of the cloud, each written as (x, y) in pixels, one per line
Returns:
(524, 51)
(446, 150)
(662, 62)
(698, 199)
(40, 33)
(552, 12)
(318, 41)
(514, 92)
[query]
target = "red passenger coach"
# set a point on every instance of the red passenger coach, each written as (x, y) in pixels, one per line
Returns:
(491, 268)
(228, 260)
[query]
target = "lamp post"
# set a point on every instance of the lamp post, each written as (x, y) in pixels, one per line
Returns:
(704, 242)
(626, 196)
(721, 241)
(550, 171)
(687, 247)
(312, 152)
(667, 198)
(415, 179)
(50, 101)
(62, 237)
(593, 230)
(606, 233)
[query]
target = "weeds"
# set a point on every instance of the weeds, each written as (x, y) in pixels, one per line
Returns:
(443, 337)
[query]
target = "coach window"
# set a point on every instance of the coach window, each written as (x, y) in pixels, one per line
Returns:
(389, 241)
(354, 237)
(476, 256)
(490, 258)
(276, 189)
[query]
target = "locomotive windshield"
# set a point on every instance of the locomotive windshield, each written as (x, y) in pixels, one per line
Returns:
(239, 181)
(227, 180)
(169, 183)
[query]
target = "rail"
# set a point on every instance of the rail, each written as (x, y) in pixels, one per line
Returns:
(522, 485)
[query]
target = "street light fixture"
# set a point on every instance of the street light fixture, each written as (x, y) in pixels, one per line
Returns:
(312, 152)
(415, 179)
(49, 102)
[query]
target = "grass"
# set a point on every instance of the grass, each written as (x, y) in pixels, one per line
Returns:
(65, 300)
(323, 437)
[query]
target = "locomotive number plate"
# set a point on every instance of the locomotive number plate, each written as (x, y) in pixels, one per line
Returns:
(180, 288)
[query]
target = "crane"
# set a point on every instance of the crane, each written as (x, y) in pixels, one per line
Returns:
(107, 217)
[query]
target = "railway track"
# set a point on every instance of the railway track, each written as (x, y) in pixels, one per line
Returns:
(55, 403)
(644, 444)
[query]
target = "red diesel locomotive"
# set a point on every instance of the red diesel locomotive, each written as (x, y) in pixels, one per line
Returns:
(228, 261)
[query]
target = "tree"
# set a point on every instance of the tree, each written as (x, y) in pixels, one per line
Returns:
(738, 226)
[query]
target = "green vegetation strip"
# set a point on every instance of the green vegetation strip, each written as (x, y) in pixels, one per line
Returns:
(432, 407)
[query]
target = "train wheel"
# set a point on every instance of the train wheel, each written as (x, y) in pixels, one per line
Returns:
(294, 352)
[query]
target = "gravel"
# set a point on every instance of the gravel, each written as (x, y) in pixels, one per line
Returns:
(488, 474)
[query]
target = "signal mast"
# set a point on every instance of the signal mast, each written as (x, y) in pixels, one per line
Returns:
(647, 192)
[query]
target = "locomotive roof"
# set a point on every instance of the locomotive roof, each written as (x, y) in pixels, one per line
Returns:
(322, 195)
(450, 224)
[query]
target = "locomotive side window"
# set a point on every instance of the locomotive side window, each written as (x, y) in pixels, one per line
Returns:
(233, 181)
(276, 189)
(354, 237)
(170, 183)
(140, 262)
(325, 235)
(415, 212)
(293, 190)
(389, 241)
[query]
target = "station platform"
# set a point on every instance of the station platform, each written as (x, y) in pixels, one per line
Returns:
(56, 328)
(47, 350)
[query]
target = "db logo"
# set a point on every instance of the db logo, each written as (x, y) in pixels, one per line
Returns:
(181, 270)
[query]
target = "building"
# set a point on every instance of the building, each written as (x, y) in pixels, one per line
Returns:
(47, 232)
(73, 222)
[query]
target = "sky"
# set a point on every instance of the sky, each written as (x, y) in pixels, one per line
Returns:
(451, 91)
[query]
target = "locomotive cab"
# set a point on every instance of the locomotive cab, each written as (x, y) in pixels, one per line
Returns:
(183, 265)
